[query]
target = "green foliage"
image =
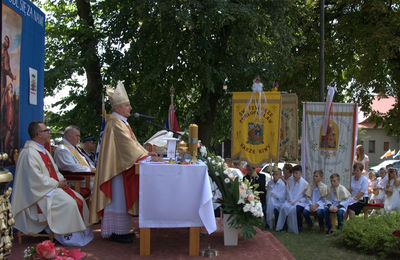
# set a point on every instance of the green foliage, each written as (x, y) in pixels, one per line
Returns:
(372, 235)
(198, 46)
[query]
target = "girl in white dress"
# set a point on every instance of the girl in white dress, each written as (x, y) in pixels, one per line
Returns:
(379, 191)
(392, 196)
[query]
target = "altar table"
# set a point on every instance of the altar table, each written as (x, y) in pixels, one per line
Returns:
(174, 196)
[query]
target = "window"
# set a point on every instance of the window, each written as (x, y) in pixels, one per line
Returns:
(385, 146)
(371, 146)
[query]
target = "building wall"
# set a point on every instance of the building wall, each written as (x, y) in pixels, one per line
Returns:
(380, 137)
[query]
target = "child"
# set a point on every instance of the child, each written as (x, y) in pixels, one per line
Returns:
(292, 209)
(372, 182)
(379, 193)
(336, 202)
(359, 190)
(316, 193)
(287, 172)
(392, 196)
(257, 178)
(275, 196)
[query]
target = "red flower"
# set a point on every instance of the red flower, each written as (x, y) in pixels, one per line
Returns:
(64, 258)
(46, 250)
(396, 233)
(76, 254)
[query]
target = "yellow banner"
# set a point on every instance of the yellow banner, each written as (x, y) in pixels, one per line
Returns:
(253, 140)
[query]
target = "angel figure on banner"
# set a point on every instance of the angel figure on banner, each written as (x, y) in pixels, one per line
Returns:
(257, 96)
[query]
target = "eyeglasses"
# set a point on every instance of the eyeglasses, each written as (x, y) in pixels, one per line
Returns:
(45, 130)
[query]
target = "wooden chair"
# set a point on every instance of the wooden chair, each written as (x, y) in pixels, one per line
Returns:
(76, 178)
(49, 236)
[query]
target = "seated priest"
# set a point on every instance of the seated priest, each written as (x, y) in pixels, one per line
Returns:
(42, 200)
(68, 156)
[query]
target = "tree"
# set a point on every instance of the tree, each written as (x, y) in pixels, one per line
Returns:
(71, 52)
(200, 46)
(371, 46)
(196, 46)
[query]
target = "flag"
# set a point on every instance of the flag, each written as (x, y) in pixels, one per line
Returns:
(397, 154)
(171, 123)
(388, 153)
(103, 125)
(328, 109)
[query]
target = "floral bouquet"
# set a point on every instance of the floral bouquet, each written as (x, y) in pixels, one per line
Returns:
(47, 250)
(239, 198)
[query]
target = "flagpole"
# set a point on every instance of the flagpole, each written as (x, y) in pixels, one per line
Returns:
(172, 93)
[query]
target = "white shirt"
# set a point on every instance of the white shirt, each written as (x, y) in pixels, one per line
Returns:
(276, 193)
(359, 186)
(316, 198)
(335, 203)
(295, 190)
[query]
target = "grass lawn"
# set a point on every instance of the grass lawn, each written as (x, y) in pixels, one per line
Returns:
(316, 246)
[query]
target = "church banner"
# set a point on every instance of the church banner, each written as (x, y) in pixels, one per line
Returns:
(334, 152)
(289, 146)
(255, 138)
(22, 39)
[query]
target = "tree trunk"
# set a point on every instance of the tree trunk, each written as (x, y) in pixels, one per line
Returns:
(89, 57)
(206, 121)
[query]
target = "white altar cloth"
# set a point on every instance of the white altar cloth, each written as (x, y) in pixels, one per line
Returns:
(174, 195)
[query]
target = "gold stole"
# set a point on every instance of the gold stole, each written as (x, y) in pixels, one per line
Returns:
(81, 160)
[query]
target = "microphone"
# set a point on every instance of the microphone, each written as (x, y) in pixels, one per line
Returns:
(137, 115)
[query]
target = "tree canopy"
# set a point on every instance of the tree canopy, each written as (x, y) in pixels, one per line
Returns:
(198, 47)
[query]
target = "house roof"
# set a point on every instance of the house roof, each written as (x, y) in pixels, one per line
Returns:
(381, 104)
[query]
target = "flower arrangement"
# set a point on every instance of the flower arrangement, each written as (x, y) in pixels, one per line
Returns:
(47, 250)
(239, 198)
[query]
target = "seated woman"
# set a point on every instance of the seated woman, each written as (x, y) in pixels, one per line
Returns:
(392, 196)
(359, 190)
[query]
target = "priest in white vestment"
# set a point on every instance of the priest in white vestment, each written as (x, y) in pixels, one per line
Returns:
(41, 198)
(293, 207)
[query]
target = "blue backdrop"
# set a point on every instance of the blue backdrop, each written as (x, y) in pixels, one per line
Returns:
(32, 56)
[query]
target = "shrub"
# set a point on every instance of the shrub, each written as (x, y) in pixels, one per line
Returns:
(372, 235)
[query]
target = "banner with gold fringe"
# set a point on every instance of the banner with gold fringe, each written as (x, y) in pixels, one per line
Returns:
(289, 144)
(254, 139)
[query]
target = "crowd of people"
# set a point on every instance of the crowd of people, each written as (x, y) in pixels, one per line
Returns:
(290, 199)
(43, 201)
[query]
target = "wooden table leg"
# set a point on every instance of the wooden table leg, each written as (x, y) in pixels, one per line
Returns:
(194, 241)
(333, 217)
(145, 241)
